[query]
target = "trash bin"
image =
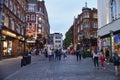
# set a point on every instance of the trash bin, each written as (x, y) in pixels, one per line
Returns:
(24, 60)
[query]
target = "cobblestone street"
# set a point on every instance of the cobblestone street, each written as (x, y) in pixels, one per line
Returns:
(66, 69)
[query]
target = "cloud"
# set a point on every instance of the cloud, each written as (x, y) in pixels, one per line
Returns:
(61, 12)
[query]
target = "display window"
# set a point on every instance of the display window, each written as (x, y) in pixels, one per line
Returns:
(7, 48)
(117, 42)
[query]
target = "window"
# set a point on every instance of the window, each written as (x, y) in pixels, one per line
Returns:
(22, 32)
(81, 27)
(19, 14)
(95, 25)
(6, 3)
(11, 5)
(95, 34)
(33, 17)
(78, 29)
(81, 18)
(95, 15)
(18, 28)
(14, 9)
(78, 38)
(6, 21)
(86, 25)
(28, 17)
(113, 9)
(31, 8)
(12, 24)
(86, 15)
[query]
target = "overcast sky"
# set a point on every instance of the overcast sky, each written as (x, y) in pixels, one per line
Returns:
(61, 13)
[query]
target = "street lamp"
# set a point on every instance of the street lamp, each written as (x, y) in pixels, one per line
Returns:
(25, 24)
(1, 9)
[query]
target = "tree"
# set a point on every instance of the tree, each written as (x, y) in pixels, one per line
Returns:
(68, 38)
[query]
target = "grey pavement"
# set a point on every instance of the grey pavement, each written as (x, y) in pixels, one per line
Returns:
(9, 66)
(66, 69)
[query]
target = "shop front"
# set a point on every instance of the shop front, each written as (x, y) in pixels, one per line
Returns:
(117, 42)
(111, 42)
(105, 43)
(12, 44)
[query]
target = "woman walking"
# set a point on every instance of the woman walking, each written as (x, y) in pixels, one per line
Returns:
(102, 58)
(95, 59)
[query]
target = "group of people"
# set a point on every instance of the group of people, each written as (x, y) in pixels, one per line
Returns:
(55, 54)
(100, 55)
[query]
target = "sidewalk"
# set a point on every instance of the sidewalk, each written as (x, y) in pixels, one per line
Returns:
(67, 69)
(9, 66)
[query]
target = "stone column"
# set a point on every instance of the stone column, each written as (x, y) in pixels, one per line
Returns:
(111, 42)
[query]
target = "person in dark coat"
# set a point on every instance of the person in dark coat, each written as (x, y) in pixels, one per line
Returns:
(116, 62)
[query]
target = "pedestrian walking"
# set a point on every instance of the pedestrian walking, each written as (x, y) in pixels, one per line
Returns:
(79, 54)
(107, 54)
(102, 59)
(59, 53)
(46, 53)
(95, 59)
(116, 62)
(50, 54)
(56, 54)
(64, 54)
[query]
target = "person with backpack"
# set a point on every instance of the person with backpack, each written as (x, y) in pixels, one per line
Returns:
(95, 59)
(116, 62)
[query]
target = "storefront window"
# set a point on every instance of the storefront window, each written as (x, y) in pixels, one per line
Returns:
(116, 42)
(7, 48)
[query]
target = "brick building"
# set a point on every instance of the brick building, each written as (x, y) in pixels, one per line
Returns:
(85, 28)
(12, 27)
(38, 28)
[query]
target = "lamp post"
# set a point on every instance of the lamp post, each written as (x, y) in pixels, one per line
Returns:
(111, 42)
(24, 36)
(1, 8)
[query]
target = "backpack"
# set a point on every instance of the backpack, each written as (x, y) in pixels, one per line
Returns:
(116, 58)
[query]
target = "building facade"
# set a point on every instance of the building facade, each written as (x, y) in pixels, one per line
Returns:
(85, 28)
(38, 28)
(56, 40)
(12, 27)
(109, 24)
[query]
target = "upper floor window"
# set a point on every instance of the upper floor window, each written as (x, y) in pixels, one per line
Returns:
(12, 24)
(31, 8)
(22, 31)
(28, 17)
(86, 15)
(33, 17)
(14, 9)
(18, 28)
(86, 24)
(78, 29)
(6, 3)
(81, 18)
(95, 15)
(95, 25)
(6, 21)
(11, 5)
(113, 9)
(81, 27)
